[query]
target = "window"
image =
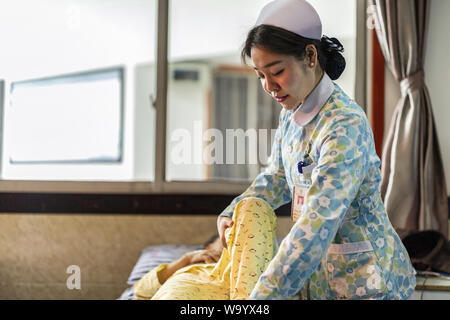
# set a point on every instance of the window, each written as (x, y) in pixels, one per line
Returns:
(77, 101)
(213, 121)
(214, 126)
(217, 119)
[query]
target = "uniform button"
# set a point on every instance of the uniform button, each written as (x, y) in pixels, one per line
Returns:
(290, 149)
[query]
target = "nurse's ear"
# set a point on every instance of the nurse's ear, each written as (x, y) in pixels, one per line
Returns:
(311, 57)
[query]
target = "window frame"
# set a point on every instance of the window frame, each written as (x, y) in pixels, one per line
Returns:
(160, 185)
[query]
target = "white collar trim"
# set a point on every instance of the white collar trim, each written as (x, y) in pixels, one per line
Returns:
(315, 101)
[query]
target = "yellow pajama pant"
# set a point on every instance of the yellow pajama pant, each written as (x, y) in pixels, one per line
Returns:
(251, 243)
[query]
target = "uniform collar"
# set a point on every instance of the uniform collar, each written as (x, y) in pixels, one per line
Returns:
(315, 101)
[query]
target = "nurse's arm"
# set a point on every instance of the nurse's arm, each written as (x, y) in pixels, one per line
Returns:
(335, 183)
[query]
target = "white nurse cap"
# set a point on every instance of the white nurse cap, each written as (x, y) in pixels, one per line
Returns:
(297, 16)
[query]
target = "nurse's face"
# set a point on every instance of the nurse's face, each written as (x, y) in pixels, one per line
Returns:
(288, 80)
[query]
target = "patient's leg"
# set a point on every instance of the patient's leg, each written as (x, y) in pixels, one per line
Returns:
(251, 245)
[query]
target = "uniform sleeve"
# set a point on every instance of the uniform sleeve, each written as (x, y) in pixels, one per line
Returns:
(147, 286)
(270, 185)
(334, 184)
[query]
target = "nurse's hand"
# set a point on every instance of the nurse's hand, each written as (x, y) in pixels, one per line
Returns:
(223, 223)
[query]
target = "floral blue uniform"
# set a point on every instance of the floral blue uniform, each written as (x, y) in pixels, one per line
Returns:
(343, 245)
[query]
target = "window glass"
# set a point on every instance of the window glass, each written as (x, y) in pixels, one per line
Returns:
(220, 121)
(78, 79)
(339, 21)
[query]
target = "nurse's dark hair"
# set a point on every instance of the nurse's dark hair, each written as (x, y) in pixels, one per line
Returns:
(210, 240)
(278, 40)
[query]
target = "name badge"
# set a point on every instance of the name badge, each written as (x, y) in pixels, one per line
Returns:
(298, 201)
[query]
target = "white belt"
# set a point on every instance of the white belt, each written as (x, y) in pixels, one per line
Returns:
(348, 248)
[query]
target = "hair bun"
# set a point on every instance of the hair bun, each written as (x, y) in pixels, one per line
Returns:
(336, 64)
(332, 44)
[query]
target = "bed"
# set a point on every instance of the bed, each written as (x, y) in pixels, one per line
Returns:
(153, 256)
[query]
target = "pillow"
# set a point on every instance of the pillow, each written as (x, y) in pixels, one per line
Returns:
(128, 294)
(153, 256)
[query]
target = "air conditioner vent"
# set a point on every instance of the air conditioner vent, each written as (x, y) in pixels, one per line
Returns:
(185, 75)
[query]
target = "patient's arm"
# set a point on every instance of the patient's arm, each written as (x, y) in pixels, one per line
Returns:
(199, 256)
(147, 286)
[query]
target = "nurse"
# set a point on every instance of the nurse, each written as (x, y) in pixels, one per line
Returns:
(342, 244)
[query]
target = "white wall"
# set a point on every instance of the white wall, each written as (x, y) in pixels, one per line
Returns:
(144, 123)
(437, 78)
(187, 111)
(218, 27)
(203, 29)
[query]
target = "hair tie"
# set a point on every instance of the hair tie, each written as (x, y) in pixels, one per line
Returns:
(332, 44)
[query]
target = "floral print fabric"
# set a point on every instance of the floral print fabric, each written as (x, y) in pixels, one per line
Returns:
(342, 206)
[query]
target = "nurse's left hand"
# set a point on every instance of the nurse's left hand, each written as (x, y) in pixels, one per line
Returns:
(223, 223)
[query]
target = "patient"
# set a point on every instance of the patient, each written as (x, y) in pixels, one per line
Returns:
(216, 272)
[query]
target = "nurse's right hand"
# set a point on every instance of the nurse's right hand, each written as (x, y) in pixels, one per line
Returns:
(223, 223)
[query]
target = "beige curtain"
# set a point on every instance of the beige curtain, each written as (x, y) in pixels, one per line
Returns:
(413, 182)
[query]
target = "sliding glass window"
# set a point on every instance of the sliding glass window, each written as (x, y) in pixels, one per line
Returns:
(220, 121)
(78, 81)
(81, 104)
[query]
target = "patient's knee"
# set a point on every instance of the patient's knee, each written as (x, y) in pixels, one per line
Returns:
(255, 208)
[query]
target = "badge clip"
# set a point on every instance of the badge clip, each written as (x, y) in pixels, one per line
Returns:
(303, 164)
